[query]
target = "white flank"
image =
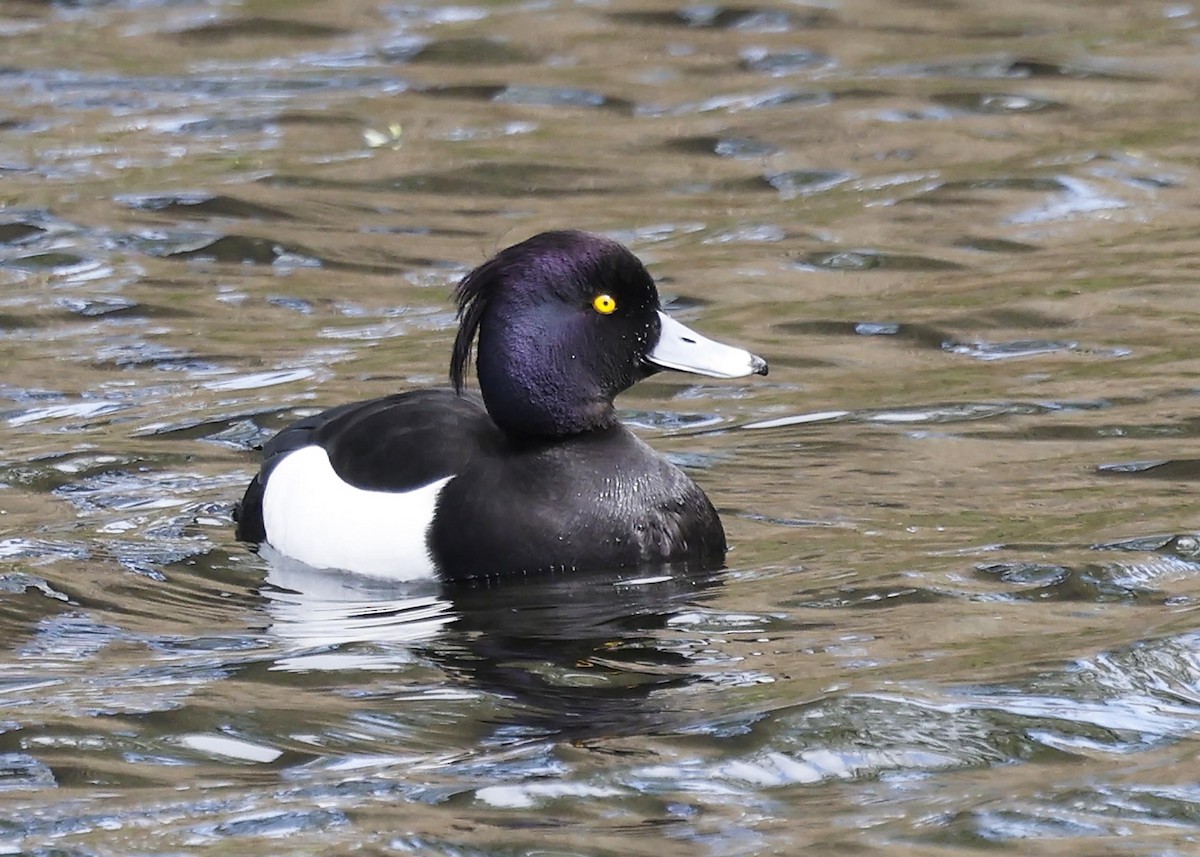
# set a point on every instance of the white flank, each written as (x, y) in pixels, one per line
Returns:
(311, 515)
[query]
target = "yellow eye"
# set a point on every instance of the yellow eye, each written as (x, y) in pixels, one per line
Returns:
(604, 304)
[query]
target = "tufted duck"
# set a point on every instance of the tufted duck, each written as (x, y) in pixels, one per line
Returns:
(537, 475)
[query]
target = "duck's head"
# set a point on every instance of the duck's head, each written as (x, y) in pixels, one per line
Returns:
(566, 321)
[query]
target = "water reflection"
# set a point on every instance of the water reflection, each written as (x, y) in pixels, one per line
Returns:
(320, 614)
(582, 655)
(576, 655)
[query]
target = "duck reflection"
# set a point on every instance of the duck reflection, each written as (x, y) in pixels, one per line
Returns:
(580, 655)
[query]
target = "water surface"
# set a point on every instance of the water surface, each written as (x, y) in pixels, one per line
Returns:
(959, 614)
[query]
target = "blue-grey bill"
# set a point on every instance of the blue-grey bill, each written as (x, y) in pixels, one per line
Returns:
(679, 347)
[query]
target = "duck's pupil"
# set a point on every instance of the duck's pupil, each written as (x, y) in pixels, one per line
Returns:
(604, 304)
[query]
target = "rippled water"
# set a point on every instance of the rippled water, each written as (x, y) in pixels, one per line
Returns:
(960, 610)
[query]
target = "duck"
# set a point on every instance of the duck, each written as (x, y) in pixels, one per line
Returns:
(533, 473)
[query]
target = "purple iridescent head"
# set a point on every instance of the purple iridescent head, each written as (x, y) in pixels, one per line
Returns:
(566, 321)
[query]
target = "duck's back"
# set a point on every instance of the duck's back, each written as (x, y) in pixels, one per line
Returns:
(394, 444)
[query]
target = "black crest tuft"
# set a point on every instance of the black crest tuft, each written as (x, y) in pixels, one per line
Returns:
(472, 296)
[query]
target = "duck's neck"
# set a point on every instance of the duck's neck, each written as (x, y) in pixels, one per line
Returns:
(539, 390)
(548, 409)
